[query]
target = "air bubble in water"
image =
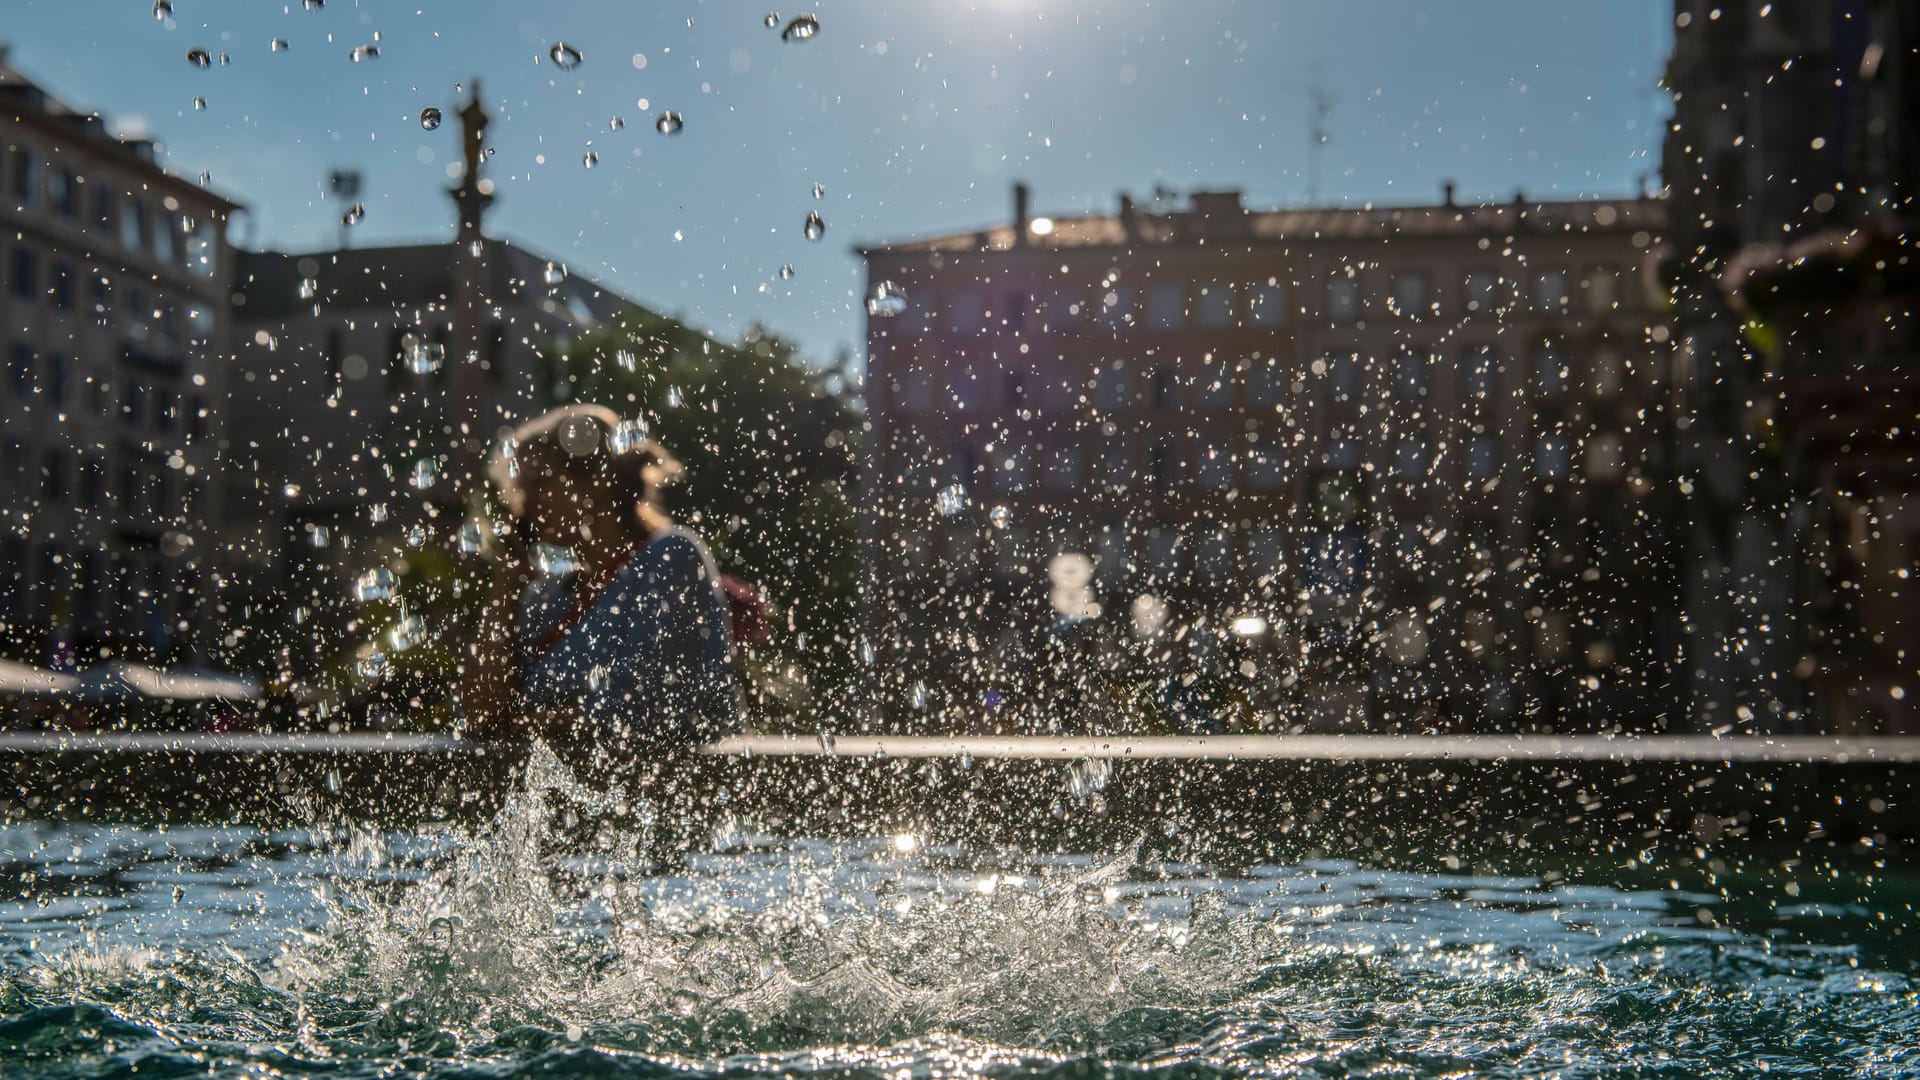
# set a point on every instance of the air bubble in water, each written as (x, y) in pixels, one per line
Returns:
(565, 56)
(375, 584)
(553, 274)
(470, 538)
(999, 516)
(355, 214)
(626, 359)
(372, 666)
(815, 227)
(772, 20)
(616, 124)
(309, 288)
(199, 57)
(199, 104)
(405, 633)
(365, 52)
(591, 159)
(279, 45)
(162, 9)
(377, 513)
(675, 399)
(314, 5)
(827, 741)
(669, 123)
(415, 535)
(819, 190)
(429, 118)
(886, 300)
(786, 272)
(425, 472)
(319, 537)
(951, 500)
(801, 28)
(425, 357)
(627, 436)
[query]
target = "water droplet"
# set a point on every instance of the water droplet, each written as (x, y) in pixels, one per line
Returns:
(626, 359)
(375, 584)
(575, 1033)
(372, 666)
(425, 472)
(565, 56)
(319, 537)
(415, 535)
(815, 227)
(406, 632)
(627, 436)
(199, 57)
(162, 9)
(429, 118)
(199, 104)
(669, 123)
(999, 517)
(424, 357)
(827, 741)
(553, 559)
(597, 678)
(920, 695)
(354, 215)
(616, 124)
(772, 20)
(951, 500)
(314, 5)
(553, 274)
(678, 236)
(674, 398)
(205, 178)
(819, 190)
(477, 248)
(801, 28)
(225, 59)
(309, 288)
(591, 159)
(365, 52)
(279, 45)
(786, 272)
(886, 300)
(470, 539)
(377, 513)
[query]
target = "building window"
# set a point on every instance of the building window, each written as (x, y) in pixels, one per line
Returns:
(1117, 308)
(1608, 376)
(1603, 291)
(1549, 370)
(1063, 467)
(1551, 457)
(1343, 453)
(1477, 368)
(60, 288)
(166, 238)
(1267, 469)
(1213, 556)
(1116, 466)
(1110, 388)
(1606, 456)
(914, 389)
(1214, 463)
(1213, 307)
(25, 277)
(1163, 465)
(1167, 305)
(1163, 387)
(1163, 552)
(106, 206)
(133, 224)
(133, 403)
(1064, 311)
(1410, 459)
(66, 193)
(1342, 371)
(1550, 292)
(1266, 384)
(53, 475)
(1409, 297)
(59, 373)
(1343, 300)
(1483, 457)
(102, 300)
(1267, 551)
(1411, 368)
(1267, 304)
(1483, 293)
(202, 245)
(26, 176)
(20, 369)
(1213, 388)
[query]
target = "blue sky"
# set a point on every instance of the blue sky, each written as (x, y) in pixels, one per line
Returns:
(916, 117)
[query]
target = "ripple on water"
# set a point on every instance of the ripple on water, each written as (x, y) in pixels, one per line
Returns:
(499, 951)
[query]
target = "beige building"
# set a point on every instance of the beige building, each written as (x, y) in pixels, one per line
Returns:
(113, 325)
(1406, 450)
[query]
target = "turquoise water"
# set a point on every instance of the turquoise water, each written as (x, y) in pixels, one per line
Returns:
(499, 951)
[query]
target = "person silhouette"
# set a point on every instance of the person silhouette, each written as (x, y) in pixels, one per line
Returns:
(620, 648)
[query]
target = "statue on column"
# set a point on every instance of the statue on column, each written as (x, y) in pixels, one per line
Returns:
(473, 129)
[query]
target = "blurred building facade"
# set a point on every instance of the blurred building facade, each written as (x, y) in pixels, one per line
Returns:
(1406, 451)
(114, 325)
(1790, 166)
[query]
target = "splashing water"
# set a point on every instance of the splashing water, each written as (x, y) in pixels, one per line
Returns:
(539, 943)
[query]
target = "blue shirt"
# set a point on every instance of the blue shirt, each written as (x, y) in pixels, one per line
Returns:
(650, 662)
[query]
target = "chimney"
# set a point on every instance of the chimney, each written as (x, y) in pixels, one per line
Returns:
(1021, 195)
(1129, 224)
(1447, 192)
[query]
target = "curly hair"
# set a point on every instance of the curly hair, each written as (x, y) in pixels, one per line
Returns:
(579, 442)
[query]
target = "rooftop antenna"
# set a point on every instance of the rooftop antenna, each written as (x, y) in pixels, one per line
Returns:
(1319, 128)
